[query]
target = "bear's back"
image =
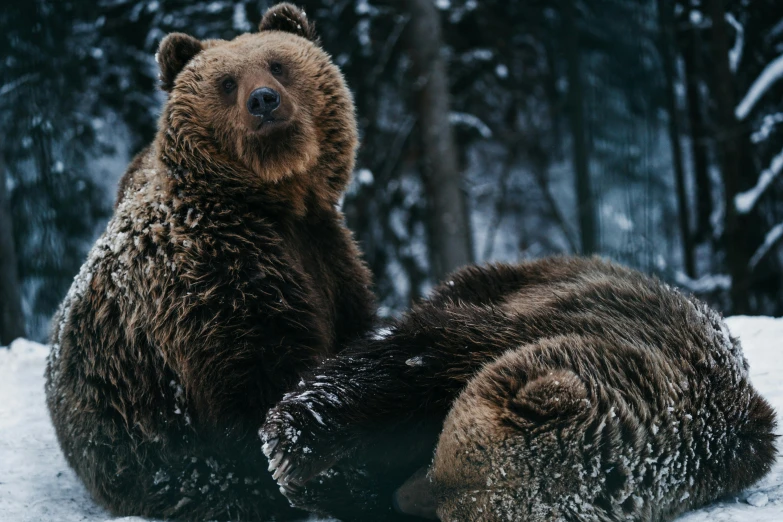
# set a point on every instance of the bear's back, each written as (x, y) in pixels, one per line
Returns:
(622, 398)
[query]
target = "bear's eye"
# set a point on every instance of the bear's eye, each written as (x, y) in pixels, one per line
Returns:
(276, 68)
(228, 85)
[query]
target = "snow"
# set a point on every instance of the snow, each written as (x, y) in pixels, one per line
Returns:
(415, 361)
(365, 177)
(37, 485)
(704, 284)
(470, 120)
(363, 7)
(770, 240)
(768, 124)
(382, 333)
(745, 201)
(477, 55)
(735, 54)
(12, 86)
(239, 20)
(363, 33)
(771, 74)
(758, 499)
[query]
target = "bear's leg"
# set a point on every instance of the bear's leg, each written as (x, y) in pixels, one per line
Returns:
(383, 400)
(410, 373)
(406, 378)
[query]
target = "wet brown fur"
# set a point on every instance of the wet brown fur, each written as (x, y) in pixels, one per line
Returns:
(225, 273)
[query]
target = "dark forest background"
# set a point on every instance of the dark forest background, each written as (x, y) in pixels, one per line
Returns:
(647, 131)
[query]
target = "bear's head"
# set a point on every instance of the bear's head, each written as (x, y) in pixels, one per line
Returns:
(264, 110)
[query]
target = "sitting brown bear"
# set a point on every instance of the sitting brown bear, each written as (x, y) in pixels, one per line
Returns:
(224, 274)
(571, 389)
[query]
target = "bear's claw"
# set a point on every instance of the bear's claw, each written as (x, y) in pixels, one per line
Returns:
(269, 447)
(297, 446)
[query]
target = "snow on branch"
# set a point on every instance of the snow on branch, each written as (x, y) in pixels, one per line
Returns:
(11, 86)
(771, 74)
(705, 284)
(745, 201)
(469, 120)
(735, 54)
(768, 124)
(771, 239)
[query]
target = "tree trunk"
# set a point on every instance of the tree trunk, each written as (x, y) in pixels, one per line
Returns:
(666, 23)
(581, 158)
(448, 220)
(693, 71)
(11, 318)
(736, 241)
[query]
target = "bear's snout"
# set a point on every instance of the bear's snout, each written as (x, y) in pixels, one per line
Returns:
(262, 102)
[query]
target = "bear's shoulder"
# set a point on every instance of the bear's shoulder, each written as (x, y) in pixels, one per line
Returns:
(128, 181)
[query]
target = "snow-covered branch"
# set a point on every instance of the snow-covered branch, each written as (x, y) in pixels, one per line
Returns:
(704, 284)
(735, 54)
(469, 120)
(771, 74)
(772, 238)
(13, 85)
(768, 124)
(745, 201)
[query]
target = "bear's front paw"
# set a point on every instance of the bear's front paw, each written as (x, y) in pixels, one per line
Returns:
(299, 441)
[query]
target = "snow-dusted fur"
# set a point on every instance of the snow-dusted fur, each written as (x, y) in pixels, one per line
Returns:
(572, 389)
(224, 274)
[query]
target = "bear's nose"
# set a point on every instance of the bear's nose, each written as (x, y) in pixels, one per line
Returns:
(263, 101)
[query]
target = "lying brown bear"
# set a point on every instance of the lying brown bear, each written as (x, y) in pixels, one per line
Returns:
(571, 389)
(224, 274)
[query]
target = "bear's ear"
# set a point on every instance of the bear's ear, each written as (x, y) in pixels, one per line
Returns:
(174, 52)
(290, 19)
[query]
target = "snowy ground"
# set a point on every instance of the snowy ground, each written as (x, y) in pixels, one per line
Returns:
(36, 484)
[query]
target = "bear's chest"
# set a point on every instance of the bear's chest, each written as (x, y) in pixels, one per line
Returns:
(311, 247)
